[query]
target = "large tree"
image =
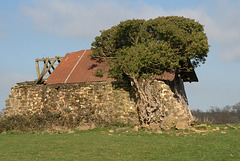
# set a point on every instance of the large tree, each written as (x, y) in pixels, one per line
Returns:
(142, 50)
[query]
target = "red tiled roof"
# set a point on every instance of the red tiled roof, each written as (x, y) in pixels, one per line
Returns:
(78, 67)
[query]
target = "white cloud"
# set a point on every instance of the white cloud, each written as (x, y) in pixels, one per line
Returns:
(226, 16)
(222, 25)
(78, 19)
(69, 18)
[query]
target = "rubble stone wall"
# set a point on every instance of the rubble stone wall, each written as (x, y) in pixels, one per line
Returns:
(102, 102)
(99, 102)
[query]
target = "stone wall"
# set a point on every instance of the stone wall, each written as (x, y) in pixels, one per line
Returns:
(100, 102)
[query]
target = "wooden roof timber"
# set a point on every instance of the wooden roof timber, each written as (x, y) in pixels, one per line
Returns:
(48, 65)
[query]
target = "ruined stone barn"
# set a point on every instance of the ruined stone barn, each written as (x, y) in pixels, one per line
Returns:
(74, 88)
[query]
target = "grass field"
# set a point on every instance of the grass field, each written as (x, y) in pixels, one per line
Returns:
(100, 144)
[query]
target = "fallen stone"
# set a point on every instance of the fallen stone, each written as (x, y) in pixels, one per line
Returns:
(111, 131)
(92, 126)
(201, 125)
(231, 126)
(145, 126)
(158, 132)
(87, 126)
(217, 129)
(155, 128)
(83, 127)
(198, 131)
(169, 122)
(135, 129)
(122, 129)
(71, 132)
(182, 125)
(4, 133)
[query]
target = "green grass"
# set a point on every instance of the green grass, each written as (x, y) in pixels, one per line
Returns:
(100, 144)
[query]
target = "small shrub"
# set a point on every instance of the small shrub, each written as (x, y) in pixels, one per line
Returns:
(99, 73)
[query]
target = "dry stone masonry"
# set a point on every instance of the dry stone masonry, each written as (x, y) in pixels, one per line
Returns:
(101, 103)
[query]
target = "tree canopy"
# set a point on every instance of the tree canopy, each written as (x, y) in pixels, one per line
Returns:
(141, 48)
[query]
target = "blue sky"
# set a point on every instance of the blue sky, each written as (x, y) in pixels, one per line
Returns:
(31, 29)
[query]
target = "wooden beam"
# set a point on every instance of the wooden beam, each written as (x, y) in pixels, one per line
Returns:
(46, 69)
(57, 57)
(37, 68)
(52, 66)
(39, 80)
(48, 65)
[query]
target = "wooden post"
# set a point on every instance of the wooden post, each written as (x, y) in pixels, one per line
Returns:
(39, 80)
(46, 69)
(48, 65)
(37, 68)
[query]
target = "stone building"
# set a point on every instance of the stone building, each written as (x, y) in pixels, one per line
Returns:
(73, 88)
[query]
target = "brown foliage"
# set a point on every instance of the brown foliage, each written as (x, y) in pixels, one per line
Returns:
(216, 115)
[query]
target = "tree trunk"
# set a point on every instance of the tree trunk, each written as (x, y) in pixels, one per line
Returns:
(162, 104)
